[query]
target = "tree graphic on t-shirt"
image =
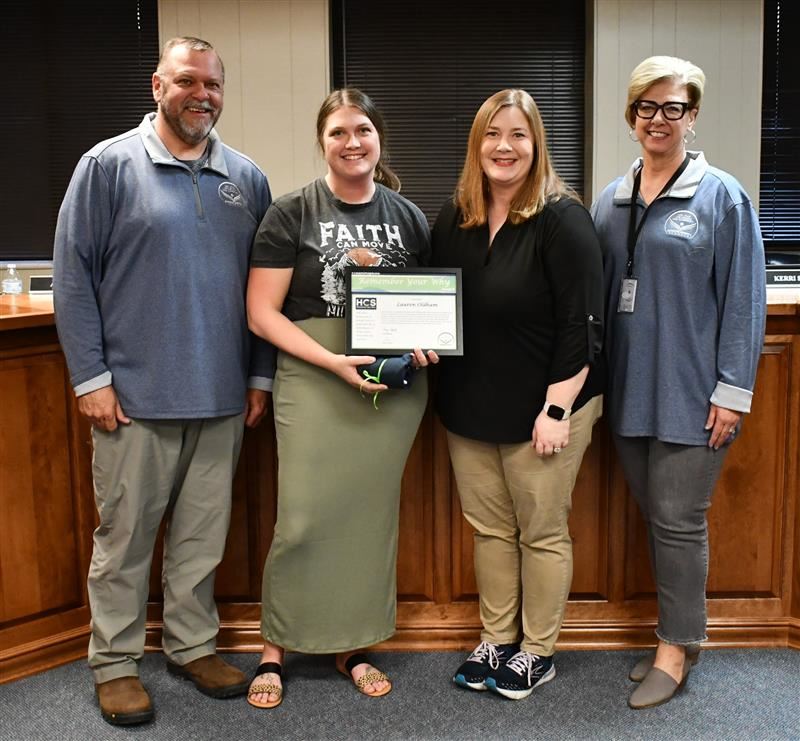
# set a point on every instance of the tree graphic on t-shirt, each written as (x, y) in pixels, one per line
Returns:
(329, 292)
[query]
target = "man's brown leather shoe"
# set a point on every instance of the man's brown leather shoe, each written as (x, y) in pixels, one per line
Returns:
(212, 676)
(124, 701)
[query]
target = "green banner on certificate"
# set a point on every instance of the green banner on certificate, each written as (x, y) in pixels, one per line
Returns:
(402, 283)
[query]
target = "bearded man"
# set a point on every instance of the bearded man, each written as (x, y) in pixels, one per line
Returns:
(150, 266)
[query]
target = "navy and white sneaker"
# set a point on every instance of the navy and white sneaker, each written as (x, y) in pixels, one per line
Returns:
(484, 659)
(523, 672)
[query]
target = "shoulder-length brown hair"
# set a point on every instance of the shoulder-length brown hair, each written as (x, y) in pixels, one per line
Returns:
(354, 98)
(542, 184)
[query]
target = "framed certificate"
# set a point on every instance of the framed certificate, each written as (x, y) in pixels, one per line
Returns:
(390, 311)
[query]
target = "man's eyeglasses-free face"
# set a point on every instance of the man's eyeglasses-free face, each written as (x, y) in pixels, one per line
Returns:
(672, 110)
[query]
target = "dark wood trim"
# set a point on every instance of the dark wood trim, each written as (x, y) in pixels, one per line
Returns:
(44, 654)
(244, 637)
(794, 634)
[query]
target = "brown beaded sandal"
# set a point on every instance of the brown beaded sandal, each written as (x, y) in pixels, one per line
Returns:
(371, 676)
(266, 688)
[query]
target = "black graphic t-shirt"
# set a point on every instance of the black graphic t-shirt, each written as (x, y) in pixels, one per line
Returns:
(318, 235)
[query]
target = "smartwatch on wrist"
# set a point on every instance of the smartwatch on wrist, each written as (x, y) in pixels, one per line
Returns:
(556, 412)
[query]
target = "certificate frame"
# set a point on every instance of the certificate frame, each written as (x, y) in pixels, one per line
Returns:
(373, 325)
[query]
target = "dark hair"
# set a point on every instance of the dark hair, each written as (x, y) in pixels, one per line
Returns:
(190, 42)
(352, 97)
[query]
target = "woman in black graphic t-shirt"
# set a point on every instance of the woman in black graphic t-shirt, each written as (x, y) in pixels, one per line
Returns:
(329, 580)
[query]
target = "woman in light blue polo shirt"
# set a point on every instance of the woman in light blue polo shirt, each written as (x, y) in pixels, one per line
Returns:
(685, 311)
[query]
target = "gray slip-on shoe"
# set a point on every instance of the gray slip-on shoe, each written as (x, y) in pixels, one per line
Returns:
(657, 688)
(645, 664)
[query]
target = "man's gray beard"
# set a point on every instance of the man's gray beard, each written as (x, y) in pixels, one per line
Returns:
(189, 134)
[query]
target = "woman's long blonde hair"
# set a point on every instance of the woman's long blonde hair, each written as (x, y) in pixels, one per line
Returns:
(542, 184)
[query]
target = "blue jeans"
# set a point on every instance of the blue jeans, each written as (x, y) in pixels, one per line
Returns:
(672, 484)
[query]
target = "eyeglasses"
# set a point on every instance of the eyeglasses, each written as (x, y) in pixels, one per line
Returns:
(672, 110)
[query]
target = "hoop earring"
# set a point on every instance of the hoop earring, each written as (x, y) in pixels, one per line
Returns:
(694, 136)
(632, 136)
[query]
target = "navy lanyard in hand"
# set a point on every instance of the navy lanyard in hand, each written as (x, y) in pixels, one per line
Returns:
(633, 230)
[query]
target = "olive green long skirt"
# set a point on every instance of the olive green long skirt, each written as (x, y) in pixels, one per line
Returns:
(330, 581)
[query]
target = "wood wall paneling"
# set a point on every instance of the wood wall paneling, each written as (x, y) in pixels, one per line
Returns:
(746, 522)
(792, 562)
(589, 521)
(45, 453)
(415, 555)
(747, 519)
(45, 531)
(269, 125)
(35, 471)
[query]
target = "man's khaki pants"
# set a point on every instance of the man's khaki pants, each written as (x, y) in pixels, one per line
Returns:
(519, 504)
(142, 471)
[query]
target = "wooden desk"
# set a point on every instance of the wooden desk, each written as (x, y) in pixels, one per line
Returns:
(47, 516)
(23, 311)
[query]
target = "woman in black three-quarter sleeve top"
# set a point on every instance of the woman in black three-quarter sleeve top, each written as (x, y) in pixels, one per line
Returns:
(527, 306)
(520, 405)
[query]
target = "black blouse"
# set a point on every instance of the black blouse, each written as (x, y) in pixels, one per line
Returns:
(533, 316)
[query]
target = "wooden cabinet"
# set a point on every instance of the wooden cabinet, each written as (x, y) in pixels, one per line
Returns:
(47, 516)
(46, 507)
(752, 523)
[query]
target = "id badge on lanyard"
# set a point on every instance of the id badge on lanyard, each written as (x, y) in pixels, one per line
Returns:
(629, 284)
(627, 296)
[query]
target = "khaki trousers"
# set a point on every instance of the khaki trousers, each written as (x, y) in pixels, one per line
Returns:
(519, 505)
(143, 471)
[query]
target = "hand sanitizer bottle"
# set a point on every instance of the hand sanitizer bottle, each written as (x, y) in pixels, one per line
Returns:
(12, 283)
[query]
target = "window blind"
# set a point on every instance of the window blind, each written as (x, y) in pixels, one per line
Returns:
(82, 74)
(429, 65)
(779, 200)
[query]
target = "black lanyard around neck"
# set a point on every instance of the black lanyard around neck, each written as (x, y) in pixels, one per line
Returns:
(633, 229)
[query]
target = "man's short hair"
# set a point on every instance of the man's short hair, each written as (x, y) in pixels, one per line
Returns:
(190, 42)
